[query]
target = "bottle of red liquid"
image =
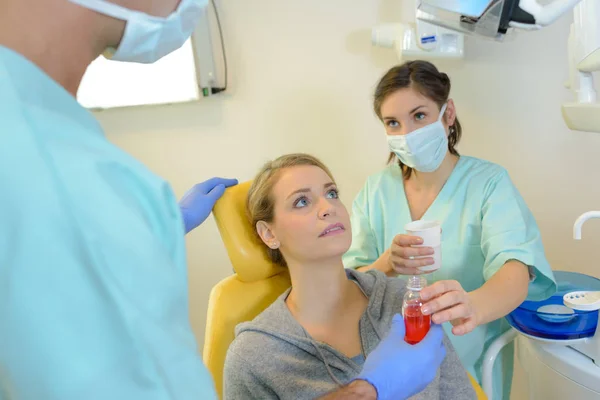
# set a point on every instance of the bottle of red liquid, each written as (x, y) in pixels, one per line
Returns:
(417, 325)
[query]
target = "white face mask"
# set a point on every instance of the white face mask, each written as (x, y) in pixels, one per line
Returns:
(148, 38)
(423, 149)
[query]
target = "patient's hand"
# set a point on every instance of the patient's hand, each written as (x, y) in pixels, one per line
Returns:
(399, 370)
(357, 390)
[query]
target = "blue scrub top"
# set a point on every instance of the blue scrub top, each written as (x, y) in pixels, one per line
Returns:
(93, 277)
(485, 223)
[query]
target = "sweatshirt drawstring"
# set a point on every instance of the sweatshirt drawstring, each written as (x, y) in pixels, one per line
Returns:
(336, 380)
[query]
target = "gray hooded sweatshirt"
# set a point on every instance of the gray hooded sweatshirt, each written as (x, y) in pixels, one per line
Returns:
(273, 357)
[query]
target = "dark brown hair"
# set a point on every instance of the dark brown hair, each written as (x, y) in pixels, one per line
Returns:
(425, 78)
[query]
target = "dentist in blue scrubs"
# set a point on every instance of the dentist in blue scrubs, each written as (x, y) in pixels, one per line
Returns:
(93, 275)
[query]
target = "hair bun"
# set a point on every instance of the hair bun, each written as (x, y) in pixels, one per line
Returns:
(445, 78)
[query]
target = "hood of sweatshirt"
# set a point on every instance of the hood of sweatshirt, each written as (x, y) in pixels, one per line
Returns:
(278, 322)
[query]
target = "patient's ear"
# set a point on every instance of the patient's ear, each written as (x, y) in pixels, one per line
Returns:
(266, 234)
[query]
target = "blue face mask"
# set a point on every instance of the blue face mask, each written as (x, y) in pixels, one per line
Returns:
(423, 149)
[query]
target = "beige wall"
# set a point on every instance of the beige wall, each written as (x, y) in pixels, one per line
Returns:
(301, 77)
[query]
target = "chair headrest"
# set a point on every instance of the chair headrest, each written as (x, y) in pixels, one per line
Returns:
(247, 254)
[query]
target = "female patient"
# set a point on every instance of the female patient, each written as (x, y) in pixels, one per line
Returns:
(316, 336)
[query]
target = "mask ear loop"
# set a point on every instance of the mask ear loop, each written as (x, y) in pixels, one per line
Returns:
(451, 128)
(443, 111)
(107, 8)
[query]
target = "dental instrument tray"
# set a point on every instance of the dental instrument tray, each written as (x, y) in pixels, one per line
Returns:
(551, 319)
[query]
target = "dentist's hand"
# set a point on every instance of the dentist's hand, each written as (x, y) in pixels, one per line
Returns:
(198, 202)
(398, 370)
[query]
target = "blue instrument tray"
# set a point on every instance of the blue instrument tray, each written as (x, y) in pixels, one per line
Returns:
(551, 319)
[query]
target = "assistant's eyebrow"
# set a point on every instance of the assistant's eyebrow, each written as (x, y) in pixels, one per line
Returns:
(416, 108)
(411, 111)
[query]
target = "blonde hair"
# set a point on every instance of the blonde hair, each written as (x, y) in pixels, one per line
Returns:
(260, 204)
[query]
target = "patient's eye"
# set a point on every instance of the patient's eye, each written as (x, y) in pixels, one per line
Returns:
(301, 202)
(333, 194)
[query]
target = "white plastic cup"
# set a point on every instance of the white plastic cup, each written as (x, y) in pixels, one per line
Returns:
(431, 233)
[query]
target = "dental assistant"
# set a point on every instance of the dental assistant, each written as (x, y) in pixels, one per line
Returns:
(492, 253)
(93, 275)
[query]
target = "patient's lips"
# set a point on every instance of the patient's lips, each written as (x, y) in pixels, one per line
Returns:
(333, 229)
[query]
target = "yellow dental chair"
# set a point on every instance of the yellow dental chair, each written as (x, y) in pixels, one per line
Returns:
(257, 282)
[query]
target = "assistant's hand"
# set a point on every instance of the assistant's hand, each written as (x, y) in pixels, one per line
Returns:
(198, 202)
(448, 301)
(399, 370)
(403, 257)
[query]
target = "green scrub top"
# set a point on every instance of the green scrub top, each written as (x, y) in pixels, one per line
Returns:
(485, 223)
